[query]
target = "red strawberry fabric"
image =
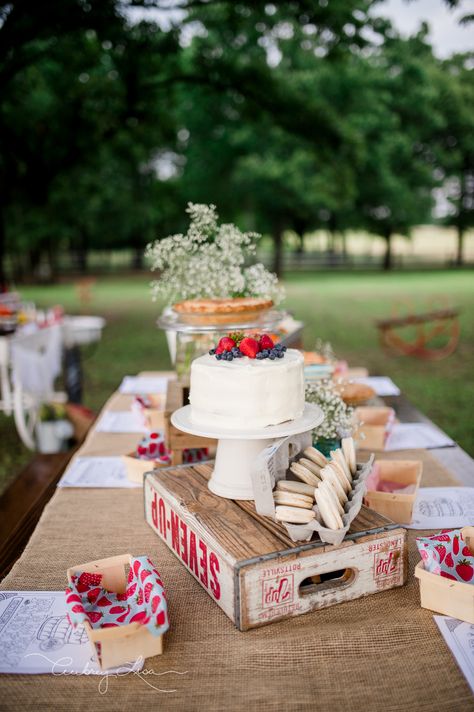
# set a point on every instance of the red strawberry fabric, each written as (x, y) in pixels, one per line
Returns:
(144, 600)
(143, 401)
(152, 447)
(195, 454)
(447, 555)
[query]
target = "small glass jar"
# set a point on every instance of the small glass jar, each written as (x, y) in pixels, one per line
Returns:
(325, 445)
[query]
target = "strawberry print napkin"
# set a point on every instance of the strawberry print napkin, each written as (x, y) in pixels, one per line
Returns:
(143, 401)
(152, 447)
(195, 454)
(144, 600)
(448, 555)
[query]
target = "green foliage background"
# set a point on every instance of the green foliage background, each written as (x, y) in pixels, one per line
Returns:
(287, 115)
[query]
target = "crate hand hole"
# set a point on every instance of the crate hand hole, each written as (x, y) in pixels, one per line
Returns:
(326, 580)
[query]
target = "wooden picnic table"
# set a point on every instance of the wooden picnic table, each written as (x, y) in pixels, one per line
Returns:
(379, 652)
(454, 459)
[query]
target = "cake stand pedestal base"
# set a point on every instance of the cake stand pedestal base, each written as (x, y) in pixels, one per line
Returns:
(231, 477)
(237, 451)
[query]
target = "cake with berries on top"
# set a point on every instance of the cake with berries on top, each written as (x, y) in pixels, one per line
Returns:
(247, 382)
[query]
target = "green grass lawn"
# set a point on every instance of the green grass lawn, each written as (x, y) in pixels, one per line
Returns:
(340, 308)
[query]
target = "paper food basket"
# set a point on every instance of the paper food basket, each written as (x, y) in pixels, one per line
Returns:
(119, 644)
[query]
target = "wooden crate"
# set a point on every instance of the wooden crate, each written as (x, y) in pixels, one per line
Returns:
(373, 426)
(398, 507)
(442, 595)
(249, 565)
(154, 416)
(177, 395)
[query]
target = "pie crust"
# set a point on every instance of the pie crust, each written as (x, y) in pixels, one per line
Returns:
(221, 311)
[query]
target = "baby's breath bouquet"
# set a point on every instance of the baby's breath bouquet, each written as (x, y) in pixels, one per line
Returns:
(337, 421)
(209, 260)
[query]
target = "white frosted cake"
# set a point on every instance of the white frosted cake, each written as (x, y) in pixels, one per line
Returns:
(247, 392)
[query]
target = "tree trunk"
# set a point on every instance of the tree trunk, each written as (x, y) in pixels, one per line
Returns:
(34, 259)
(82, 260)
(460, 222)
(278, 250)
(3, 276)
(387, 260)
(300, 245)
(52, 261)
(18, 267)
(137, 257)
(82, 253)
(299, 226)
(344, 246)
(333, 238)
(460, 250)
(330, 243)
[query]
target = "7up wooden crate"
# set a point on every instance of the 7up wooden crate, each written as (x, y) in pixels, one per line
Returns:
(249, 565)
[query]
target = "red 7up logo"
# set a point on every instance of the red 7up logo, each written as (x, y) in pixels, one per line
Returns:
(278, 591)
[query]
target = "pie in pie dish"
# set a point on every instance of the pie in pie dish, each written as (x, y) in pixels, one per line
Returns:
(222, 311)
(354, 394)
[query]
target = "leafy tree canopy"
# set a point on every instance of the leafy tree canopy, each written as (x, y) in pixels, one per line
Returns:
(287, 115)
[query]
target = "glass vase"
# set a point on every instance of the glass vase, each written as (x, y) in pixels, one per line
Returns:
(325, 445)
(189, 347)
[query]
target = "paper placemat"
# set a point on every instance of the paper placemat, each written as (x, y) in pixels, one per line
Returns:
(443, 508)
(459, 637)
(141, 385)
(121, 421)
(405, 436)
(96, 472)
(36, 637)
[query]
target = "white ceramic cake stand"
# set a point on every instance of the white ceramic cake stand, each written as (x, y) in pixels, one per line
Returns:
(237, 450)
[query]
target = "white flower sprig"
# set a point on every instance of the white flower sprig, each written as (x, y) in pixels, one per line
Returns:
(209, 261)
(337, 421)
(325, 349)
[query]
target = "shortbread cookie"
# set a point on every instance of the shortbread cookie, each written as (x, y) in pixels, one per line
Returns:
(303, 474)
(293, 499)
(326, 486)
(338, 469)
(348, 450)
(294, 515)
(316, 456)
(327, 473)
(339, 457)
(310, 465)
(299, 487)
(331, 518)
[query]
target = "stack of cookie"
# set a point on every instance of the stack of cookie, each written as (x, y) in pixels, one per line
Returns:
(326, 482)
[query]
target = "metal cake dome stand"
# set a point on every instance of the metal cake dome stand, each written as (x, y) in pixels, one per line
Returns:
(237, 450)
(172, 321)
(188, 341)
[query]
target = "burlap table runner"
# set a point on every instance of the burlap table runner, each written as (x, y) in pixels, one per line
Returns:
(104, 443)
(98, 444)
(382, 652)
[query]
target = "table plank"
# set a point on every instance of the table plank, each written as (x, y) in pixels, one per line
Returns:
(453, 458)
(22, 503)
